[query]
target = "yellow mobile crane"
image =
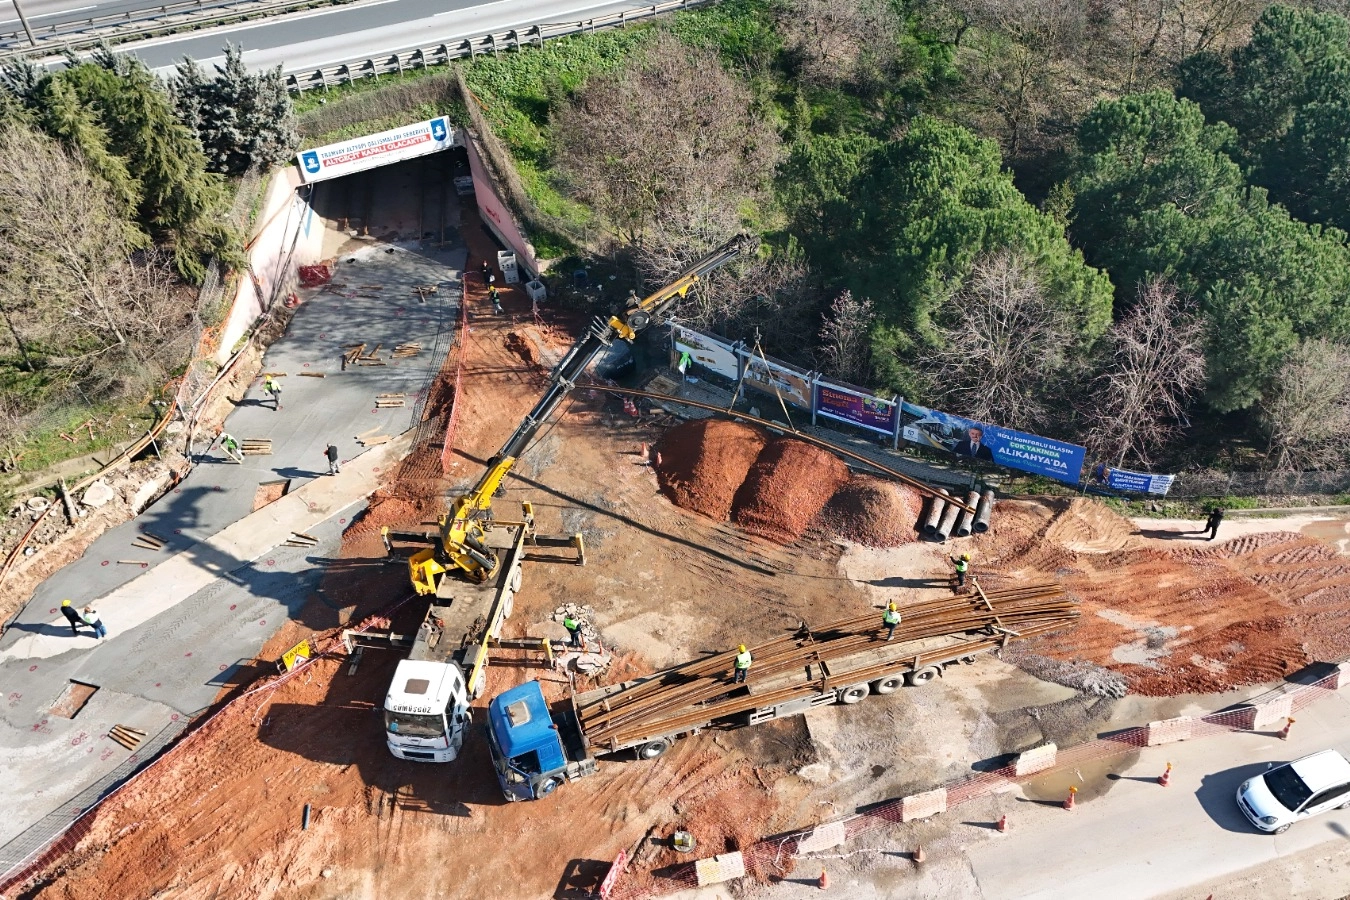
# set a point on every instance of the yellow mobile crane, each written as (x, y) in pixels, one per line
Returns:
(426, 708)
(463, 542)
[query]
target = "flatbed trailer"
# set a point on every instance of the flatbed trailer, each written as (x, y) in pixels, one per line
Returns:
(843, 662)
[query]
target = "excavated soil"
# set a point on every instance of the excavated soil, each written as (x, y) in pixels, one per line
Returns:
(786, 488)
(1173, 614)
(704, 462)
(873, 512)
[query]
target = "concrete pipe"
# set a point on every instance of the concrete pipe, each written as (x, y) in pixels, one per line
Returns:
(936, 505)
(948, 523)
(983, 511)
(963, 523)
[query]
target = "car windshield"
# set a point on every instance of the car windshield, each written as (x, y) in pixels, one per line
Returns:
(410, 725)
(1287, 787)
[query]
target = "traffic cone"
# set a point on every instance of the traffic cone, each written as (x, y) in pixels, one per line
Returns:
(919, 855)
(642, 451)
(1166, 777)
(1284, 732)
(1003, 824)
(1069, 801)
(824, 881)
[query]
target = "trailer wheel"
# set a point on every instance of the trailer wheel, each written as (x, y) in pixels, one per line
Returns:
(509, 606)
(479, 684)
(653, 749)
(548, 786)
(516, 581)
(888, 685)
(854, 693)
(920, 677)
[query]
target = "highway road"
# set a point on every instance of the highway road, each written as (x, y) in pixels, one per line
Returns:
(324, 37)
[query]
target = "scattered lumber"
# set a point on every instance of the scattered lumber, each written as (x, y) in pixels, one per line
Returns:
(371, 287)
(147, 542)
(313, 375)
(389, 401)
(132, 562)
(128, 737)
(300, 539)
(256, 446)
(404, 351)
(374, 441)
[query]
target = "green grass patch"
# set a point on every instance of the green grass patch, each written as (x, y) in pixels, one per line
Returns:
(114, 424)
(318, 98)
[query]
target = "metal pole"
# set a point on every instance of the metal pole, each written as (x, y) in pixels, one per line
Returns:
(24, 19)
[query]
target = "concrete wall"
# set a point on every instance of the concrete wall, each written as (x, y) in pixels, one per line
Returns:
(288, 235)
(495, 214)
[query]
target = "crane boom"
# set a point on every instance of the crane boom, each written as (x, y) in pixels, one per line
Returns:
(463, 543)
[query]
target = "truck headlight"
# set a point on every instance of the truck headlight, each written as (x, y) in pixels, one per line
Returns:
(1268, 820)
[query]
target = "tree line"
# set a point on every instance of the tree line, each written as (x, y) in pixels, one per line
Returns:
(114, 198)
(1119, 223)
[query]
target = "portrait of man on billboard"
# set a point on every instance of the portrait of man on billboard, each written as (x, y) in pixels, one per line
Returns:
(973, 445)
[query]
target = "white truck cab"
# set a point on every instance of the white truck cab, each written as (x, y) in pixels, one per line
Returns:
(426, 711)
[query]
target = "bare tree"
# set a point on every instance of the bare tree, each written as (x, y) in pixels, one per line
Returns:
(73, 291)
(668, 151)
(1157, 365)
(845, 340)
(774, 295)
(833, 38)
(1306, 412)
(1000, 346)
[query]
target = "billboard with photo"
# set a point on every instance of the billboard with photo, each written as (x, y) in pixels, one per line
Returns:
(992, 443)
(855, 408)
(707, 352)
(793, 385)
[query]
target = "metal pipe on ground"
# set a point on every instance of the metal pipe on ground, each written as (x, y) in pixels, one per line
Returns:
(936, 506)
(964, 524)
(983, 511)
(948, 522)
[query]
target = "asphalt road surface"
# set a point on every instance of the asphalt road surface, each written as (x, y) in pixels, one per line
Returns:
(324, 37)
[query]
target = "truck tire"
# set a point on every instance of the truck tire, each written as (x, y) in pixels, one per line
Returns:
(920, 677)
(516, 581)
(854, 693)
(480, 683)
(653, 748)
(547, 786)
(967, 660)
(509, 606)
(888, 685)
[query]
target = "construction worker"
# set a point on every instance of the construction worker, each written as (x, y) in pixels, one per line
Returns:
(72, 616)
(573, 626)
(90, 617)
(332, 454)
(890, 618)
(486, 271)
(496, 300)
(962, 565)
(231, 447)
(743, 661)
(270, 386)
(1213, 522)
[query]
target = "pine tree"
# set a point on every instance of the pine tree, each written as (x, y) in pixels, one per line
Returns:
(242, 119)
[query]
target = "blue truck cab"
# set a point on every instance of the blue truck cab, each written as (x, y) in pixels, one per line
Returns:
(527, 751)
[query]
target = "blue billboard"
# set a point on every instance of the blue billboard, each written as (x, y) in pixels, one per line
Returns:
(1134, 482)
(991, 443)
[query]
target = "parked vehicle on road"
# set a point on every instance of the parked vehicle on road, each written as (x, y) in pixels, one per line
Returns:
(1304, 788)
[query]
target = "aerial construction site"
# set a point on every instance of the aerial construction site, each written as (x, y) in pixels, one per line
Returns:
(766, 641)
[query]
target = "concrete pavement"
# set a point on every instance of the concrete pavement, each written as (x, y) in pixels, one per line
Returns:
(200, 609)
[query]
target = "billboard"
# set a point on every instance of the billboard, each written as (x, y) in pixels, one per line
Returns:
(374, 150)
(708, 352)
(856, 408)
(992, 443)
(792, 385)
(1134, 482)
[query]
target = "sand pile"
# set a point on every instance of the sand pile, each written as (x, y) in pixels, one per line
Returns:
(704, 462)
(873, 512)
(786, 488)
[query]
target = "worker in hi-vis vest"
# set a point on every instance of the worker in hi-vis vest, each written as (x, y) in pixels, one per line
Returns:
(962, 565)
(890, 618)
(573, 627)
(743, 660)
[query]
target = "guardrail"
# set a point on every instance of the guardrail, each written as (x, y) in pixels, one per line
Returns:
(142, 23)
(466, 48)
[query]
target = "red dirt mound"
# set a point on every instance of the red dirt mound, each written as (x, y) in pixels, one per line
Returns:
(703, 462)
(873, 512)
(786, 488)
(523, 346)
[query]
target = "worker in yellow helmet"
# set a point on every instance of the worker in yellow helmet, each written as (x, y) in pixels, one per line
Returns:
(962, 566)
(890, 618)
(743, 661)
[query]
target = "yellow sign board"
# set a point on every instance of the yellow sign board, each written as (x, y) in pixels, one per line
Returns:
(298, 654)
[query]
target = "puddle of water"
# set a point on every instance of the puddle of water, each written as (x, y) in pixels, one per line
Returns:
(1335, 532)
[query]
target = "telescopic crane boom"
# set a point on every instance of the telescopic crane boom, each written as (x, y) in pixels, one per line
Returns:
(463, 544)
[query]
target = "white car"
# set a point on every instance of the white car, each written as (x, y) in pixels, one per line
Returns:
(1306, 787)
